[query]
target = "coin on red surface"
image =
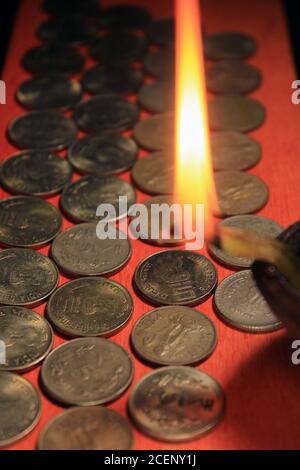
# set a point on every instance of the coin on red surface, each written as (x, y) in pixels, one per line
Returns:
(87, 428)
(157, 97)
(87, 372)
(229, 45)
(155, 132)
(53, 59)
(176, 404)
(232, 76)
(146, 176)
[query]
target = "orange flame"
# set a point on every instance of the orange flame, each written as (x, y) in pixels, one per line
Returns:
(194, 182)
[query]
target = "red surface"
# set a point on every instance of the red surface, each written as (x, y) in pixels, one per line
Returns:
(261, 384)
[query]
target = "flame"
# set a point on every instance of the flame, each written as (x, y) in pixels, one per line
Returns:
(194, 181)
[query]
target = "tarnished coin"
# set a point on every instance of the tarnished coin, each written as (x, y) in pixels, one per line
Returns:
(232, 76)
(49, 93)
(161, 64)
(174, 336)
(157, 97)
(233, 150)
(156, 132)
(26, 277)
(52, 59)
(119, 46)
(240, 193)
(87, 428)
(28, 222)
(106, 113)
(112, 78)
(81, 199)
(176, 404)
(42, 130)
(102, 154)
(162, 31)
(229, 45)
(155, 232)
(260, 225)
(87, 372)
(154, 174)
(67, 30)
(239, 303)
(20, 408)
(79, 252)
(27, 337)
(36, 173)
(90, 307)
(235, 112)
(71, 7)
(175, 278)
(123, 17)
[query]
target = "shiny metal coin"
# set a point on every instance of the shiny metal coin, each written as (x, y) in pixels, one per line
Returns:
(232, 76)
(90, 307)
(157, 97)
(119, 46)
(87, 372)
(233, 150)
(53, 59)
(28, 338)
(176, 404)
(162, 31)
(240, 304)
(154, 174)
(229, 45)
(156, 132)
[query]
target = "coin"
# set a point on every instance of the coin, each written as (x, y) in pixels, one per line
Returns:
(157, 97)
(49, 93)
(174, 336)
(240, 193)
(235, 112)
(42, 130)
(176, 403)
(240, 304)
(156, 132)
(233, 150)
(106, 113)
(112, 78)
(67, 30)
(87, 428)
(87, 372)
(162, 31)
(20, 406)
(79, 252)
(158, 235)
(232, 76)
(123, 16)
(154, 174)
(103, 154)
(68, 7)
(28, 222)
(50, 59)
(81, 199)
(161, 64)
(260, 225)
(36, 173)
(26, 277)
(27, 336)
(90, 307)
(119, 46)
(175, 278)
(229, 45)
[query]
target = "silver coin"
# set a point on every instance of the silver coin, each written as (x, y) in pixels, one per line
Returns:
(161, 64)
(79, 252)
(233, 150)
(232, 76)
(53, 59)
(42, 130)
(157, 97)
(229, 45)
(235, 112)
(90, 307)
(174, 336)
(260, 225)
(87, 372)
(81, 199)
(240, 304)
(27, 336)
(176, 404)
(20, 406)
(156, 132)
(240, 193)
(49, 93)
(154, 174)
(71, 29)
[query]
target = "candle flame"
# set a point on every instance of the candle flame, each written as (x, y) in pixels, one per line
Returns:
(194, 182)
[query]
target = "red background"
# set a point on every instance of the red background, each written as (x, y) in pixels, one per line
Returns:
(260, 383)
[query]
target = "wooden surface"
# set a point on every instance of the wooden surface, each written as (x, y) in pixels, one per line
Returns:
(260, 383)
